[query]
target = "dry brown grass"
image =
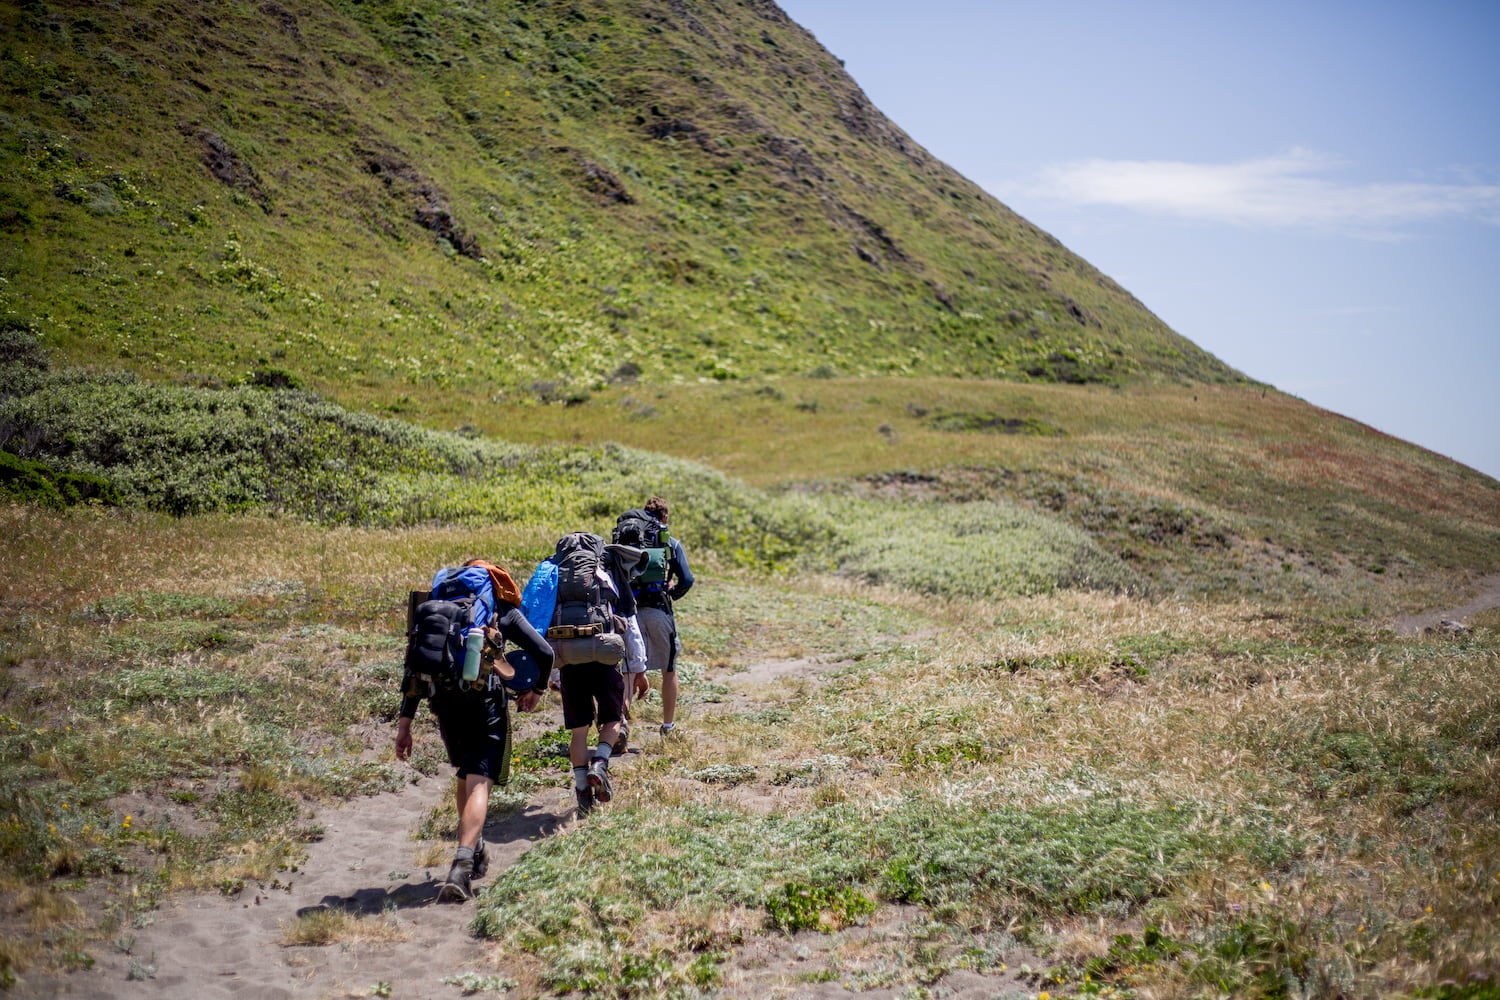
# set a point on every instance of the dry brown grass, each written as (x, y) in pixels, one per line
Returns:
(82, 555)
(326, 926)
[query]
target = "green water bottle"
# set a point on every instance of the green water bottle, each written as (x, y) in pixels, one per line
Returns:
(473, 643)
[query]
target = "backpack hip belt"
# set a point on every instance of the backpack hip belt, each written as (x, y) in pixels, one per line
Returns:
(574, 631)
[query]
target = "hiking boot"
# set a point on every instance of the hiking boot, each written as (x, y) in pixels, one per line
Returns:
(585, 800)
(456, 888)
(668, 728)
(481, 861)
(599, 782)
(623, 741)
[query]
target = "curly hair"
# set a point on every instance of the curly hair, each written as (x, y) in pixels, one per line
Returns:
(657, 508)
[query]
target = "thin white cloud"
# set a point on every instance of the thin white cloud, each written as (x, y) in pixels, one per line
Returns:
(1291, 190)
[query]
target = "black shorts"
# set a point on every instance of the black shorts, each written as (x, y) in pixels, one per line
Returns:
(474, 726)
(592, 692)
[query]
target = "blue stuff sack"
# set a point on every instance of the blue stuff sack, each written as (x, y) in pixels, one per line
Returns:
(539, 597)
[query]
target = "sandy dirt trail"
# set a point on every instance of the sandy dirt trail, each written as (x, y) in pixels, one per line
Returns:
(207, 946)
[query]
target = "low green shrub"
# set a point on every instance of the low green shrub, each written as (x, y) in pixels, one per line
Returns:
(826, 867)
(40, 483)
(797, 906)
(959, 422)
(196, 450)
(979, 549)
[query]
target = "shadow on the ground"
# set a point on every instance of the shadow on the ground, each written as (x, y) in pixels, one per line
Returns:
(506, 837)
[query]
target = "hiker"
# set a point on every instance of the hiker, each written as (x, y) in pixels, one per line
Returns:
(472, 715)
(593, 629)
(655, 589)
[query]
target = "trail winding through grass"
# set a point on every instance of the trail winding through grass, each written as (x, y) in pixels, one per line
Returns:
(1487, 596)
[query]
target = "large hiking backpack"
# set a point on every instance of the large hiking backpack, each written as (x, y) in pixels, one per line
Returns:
(583, 628)
(638, 528)
(461, 598)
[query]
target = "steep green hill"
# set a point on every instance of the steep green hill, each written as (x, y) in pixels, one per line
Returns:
(386, 199)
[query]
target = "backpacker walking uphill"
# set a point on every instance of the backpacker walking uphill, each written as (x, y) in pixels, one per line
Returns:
(592, 629)
(447, 628)
(665, 578)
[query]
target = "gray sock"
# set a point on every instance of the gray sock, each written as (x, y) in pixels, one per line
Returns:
(580, 778)
(464, 854)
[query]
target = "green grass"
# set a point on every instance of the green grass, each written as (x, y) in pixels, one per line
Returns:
(191, 451)
(568, 898)
(974, 550)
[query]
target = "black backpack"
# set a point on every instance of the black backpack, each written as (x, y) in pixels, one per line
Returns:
(583, 626)
(435, 625)
(641, 530)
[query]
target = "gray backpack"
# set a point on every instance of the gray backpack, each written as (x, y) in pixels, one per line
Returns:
(584, 628)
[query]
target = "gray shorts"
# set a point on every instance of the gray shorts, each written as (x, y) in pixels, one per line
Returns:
(659, 630)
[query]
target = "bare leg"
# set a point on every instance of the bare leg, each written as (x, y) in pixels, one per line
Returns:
(473, 794)
(669, 696)
(578, 746)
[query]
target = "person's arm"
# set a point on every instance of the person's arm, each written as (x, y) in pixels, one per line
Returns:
(683, 577)
(514, 626)
(408, 710)
(635, 648)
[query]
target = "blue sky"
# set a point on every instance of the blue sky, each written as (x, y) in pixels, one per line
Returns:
(1309, 190)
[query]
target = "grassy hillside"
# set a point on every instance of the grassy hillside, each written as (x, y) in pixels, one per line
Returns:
(1224, 478)
(399, 199)
(679, 227)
